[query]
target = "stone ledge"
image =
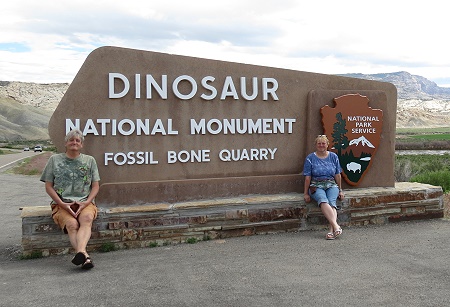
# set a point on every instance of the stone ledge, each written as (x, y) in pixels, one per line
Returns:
(164, 223)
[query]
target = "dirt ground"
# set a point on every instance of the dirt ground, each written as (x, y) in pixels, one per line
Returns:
(447, 206)
(38, 162)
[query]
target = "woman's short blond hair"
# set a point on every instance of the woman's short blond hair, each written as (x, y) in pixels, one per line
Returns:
(321, 137)
(74, 133)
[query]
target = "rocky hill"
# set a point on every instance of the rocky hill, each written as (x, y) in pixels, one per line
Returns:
(25, 108)
(409, 86)
(421, 102)
(43, 96)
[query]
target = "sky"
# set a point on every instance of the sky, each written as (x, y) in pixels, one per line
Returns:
(47, 41)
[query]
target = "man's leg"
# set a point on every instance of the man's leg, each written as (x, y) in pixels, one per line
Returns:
(84, 231)
(72, 230)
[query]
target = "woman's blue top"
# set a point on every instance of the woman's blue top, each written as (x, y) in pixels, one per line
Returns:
(322, 168)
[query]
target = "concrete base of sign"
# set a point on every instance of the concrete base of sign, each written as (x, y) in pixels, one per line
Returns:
(174, 191)
(164, 223)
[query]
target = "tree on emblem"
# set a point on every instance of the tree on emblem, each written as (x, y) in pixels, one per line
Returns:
(340, 140)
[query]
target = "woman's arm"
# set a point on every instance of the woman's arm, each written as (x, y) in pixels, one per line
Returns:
(306, 196)
(338, 180)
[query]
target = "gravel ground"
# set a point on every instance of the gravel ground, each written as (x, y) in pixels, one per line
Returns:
(17, 191)
(403, 264)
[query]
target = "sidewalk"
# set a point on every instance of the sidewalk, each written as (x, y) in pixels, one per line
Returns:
(404, 264)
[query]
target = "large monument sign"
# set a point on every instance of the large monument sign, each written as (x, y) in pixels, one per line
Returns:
(168, 128)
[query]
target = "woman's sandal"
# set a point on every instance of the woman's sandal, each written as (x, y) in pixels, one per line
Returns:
(338, 232)
(330, 236)
(88, 264)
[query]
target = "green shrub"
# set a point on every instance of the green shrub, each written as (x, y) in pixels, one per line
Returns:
(437, 178)
(33, 255)
(408, 166)
(153, 244)
(192, 240)
(50, 148)
(108, 247)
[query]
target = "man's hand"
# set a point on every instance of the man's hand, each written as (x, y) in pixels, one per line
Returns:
(81, 205)
(69, 207)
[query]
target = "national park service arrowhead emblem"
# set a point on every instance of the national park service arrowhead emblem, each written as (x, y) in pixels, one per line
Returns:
(354, 131)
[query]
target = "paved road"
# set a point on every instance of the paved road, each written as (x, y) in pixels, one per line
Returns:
(9, 160)
(405, 264)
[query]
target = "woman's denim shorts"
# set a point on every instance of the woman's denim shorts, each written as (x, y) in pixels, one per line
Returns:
(328, 196)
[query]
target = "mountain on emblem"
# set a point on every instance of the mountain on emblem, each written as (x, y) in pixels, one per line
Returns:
(354, 131)
(362, 140)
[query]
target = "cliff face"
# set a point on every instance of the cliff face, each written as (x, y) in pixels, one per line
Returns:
(25, 108)
(44, 96)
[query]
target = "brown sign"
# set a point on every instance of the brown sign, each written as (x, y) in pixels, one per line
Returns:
(354, 130)
(168, 128)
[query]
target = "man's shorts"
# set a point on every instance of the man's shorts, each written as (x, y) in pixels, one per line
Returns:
(62, 217)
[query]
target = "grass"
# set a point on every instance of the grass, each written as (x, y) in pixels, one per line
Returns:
(432, 137)
(153, 244)
(422, 138)
(33, 255)
(108, 247)
(415, 131)
(191, 240)
(6, 151)
(23, 168)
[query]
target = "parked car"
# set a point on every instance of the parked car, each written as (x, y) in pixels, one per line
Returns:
(38, 148)
(26, 149)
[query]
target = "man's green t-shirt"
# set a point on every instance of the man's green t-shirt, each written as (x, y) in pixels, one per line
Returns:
(72, 178)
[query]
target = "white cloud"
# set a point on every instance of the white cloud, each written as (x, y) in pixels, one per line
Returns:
(326, 36)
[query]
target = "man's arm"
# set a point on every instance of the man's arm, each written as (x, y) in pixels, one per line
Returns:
(95, 186)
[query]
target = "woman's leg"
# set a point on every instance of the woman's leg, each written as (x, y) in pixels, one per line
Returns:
(330, 214)
(332, 195)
